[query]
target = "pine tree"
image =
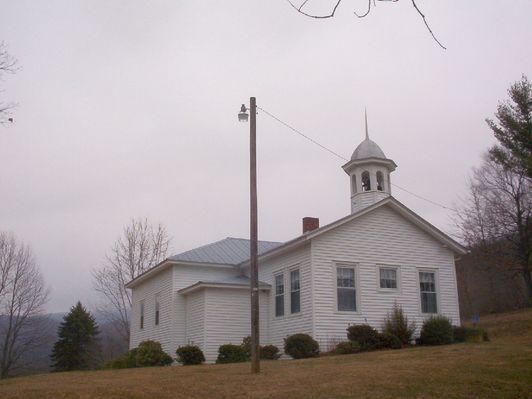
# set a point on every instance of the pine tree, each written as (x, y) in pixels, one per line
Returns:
(77, 347)
(514, 130)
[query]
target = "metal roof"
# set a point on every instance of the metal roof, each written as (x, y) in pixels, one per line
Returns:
(231, 282)
(368, 149)
(229, 251)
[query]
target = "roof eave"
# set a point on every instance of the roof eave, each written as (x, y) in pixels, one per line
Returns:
(201, 285)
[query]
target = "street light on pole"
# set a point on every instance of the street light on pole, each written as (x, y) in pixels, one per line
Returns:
(253, 231)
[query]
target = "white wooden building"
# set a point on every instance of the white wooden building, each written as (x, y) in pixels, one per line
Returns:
(351, 271)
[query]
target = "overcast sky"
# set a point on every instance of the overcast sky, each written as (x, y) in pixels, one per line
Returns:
(129, 108)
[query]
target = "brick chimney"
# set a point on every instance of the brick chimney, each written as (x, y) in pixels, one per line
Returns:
(310, 224)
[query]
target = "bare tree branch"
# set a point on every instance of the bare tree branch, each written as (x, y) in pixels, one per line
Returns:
(140, 247)
(8, 65)
(427, 25)
(298, 9)
(331, 15)
(22, 297)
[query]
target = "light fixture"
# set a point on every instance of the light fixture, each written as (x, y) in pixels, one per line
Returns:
(243, 115)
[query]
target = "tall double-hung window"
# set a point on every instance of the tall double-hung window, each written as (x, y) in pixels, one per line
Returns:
(141, 314)
(279, 295)
(295, 289)
(427, 289)
(346, 289)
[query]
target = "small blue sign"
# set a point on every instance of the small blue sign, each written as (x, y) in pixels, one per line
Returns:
(475, 319)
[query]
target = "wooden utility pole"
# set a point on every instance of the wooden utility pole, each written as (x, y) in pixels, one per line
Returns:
(253, 233)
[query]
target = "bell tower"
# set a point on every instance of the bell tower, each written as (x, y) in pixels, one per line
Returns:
(369, 174)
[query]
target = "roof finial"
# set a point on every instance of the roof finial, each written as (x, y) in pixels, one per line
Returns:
(366, 117)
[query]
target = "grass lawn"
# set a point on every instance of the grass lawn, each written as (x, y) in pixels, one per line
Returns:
(501, 368)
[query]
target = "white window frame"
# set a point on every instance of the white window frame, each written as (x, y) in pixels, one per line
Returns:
(275, 295)
(157, 313)
(290, 271)
(397, 276)
(437, 287)
(347, 265)
(142, 314)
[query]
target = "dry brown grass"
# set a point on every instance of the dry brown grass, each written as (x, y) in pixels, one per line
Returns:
(501, 368)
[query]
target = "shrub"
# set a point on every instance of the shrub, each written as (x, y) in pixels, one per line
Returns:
(365, 335)
(129, 360)
(246, 345)
(269, 352)
(150, 353)
(229, 353)
(119, 363)
(467, 334)
(437, 330)
(347, 348)
(389, 341)
(189, 354)
(396, 323)
(301, 346)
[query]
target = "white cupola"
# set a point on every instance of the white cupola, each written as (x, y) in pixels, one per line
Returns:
(369, 173)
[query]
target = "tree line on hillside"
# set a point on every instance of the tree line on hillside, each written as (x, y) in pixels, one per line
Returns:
(495, 219)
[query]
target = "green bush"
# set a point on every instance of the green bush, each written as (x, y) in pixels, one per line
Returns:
(130, 358)
(467, 334)
(114, 364)
(437, 330)
(389, 341)
(150, 353)
(269, 352)
(189, 354)
(366, 336)
(301, 346)
(347, 348)
(396, 323)
(229, 353)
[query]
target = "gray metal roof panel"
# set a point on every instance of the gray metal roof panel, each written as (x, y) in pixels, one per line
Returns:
(229, 251)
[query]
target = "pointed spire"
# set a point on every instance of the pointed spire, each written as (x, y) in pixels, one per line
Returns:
(366, 117)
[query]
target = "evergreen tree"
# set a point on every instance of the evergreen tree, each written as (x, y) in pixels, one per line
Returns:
(77, 347)
(514, 130)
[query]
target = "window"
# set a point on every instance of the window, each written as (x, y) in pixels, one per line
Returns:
(141, 314)
(366, 183)
(427, 288)
(388, 277)
(295, 298)
(157, 309)
(279, 295)
(380, 181)
(345, 287)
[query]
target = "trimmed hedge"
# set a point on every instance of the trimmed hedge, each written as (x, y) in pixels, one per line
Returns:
(437, 330)
(230, 353)
(366, 336)
(189, 355)
(389, 341)
(301, 346)
(347, 348)
(150, 353)
(269, 352)
(147, 354)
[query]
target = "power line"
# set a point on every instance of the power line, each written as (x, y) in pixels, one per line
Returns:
(345, 159)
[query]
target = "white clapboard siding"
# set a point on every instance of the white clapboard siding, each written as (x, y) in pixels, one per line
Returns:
(281, 327)
(227, 318)
(184, 276)
(160, 284)
(381, 237)
(195, 318)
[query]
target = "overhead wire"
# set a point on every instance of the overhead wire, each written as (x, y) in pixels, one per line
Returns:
(293, 129)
